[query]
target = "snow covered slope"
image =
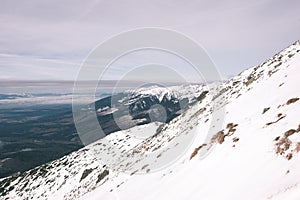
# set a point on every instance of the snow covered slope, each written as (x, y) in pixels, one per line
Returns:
(252, 154)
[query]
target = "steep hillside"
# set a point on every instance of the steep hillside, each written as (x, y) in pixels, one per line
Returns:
(240, 141)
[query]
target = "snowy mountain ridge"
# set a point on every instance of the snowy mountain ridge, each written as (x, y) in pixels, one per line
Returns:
(180, 92)
(251, 154)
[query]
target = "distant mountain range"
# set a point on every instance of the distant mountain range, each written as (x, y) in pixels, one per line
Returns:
(43, 123)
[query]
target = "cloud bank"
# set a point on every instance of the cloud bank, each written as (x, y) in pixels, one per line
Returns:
(42, 40)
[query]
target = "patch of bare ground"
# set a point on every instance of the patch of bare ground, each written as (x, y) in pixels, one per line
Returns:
(231, 129)
(220, 136)
(297, 149)
(145, 166)
(283, 144)
(265, 110)
(293, 100)
(195, 152)
(280, 116)
(290, 101)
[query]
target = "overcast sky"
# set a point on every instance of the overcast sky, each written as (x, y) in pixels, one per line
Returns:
(43, 40)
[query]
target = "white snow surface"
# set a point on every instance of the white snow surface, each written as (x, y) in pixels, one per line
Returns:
(253, 155)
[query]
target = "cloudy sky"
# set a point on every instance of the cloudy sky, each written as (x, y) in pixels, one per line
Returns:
(48, 40)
